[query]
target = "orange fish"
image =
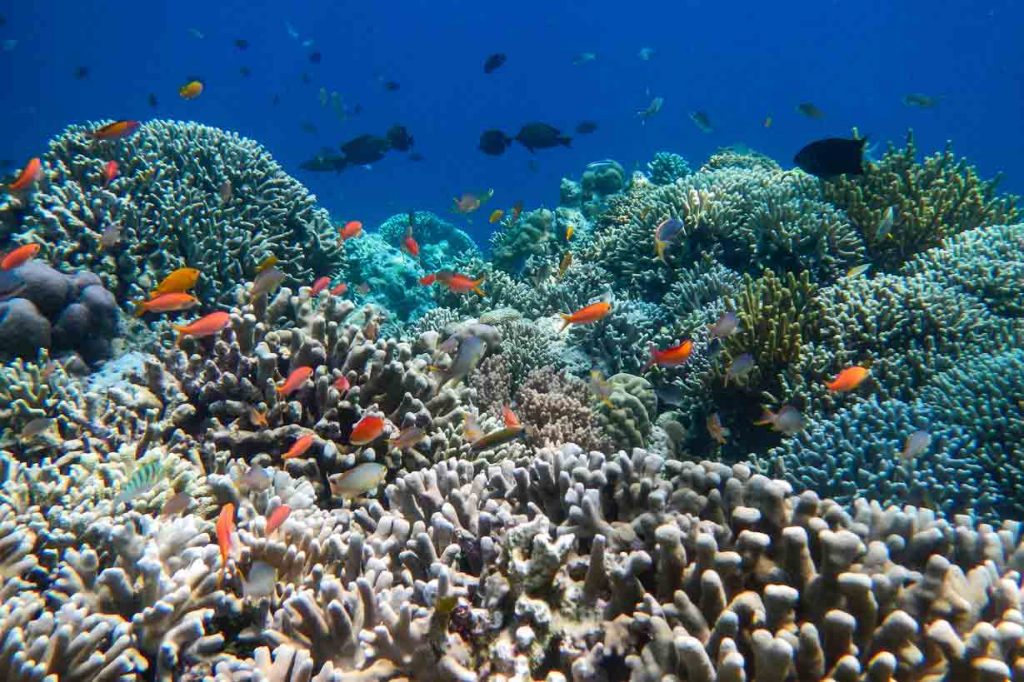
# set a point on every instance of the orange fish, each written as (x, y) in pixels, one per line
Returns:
(353, 228)
(277, 517)
(191, 90)
(587, 314)
(509, 416)
(295, 380)
(461, 284)
(495, 216)
(517, 209)
(718, 433)
(207, 325)
(299, 447)
(110, 170)
(670, 357)
(19, 256)
(166, 303)
(29, 176)
(849, 379)
(410, 244)
(367, 430)
(339, 289)
(342, 384)
(257, 418)
(179, 281)
(225, 537)
(115, 130)
(319, 285)
(427, 280)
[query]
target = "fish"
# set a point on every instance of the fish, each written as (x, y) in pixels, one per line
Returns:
(176, 504)
(646, 53)
(586, 127)
(471, 351)
(886, 223)
(407, 437)
(226, 191)
(362, 288)
(392, 86)
(319, 285)
(19, 256)
(702, 121)
(367, 430)
(496, 438)
(848, 379)
(241, 43)
(584, 58)
(670, 357)
(110, 169)
(920, 100)
(652, 109)
(225, 537)
(141, 481)
(257, 418)
(564, 264)
(410, 245)
(586, 315)
(718, 433)
(28, 177)
(809, 110)
(308, 127)
(915, 444)
(275, 518)
(509, 417)
(315, 57)
(726, 325)
(296, 379)
(740, 366)
(767, 122)
(265, 282)
(496, 215)
(832, 156)
(166, 303)
(371, 329)
(111, 236)
(429, 279)
(191, 89)
(471, 201)
(339, 289)
(153, 101)
(268, 262)
(244, 71)
(570, 230)
(255, 479)
(299, 447)
(494, 62)
(399, 137)
(537, 135)
(788, 420)
(342, 384)
(471, 430)
(357, 481)
(857, 270)
(461, 284)
(115, 131)
(666, 231)
(207, 325)
(351, 230)
(261, 581)
(196, 33)
(365, 149)
(494, 142)
(179, 281)
(37, 427)
(600, 387)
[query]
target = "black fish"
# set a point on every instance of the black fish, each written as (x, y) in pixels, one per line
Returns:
(586, 127)
(11, 284)
(81, 73)
(365, 149)
(539, 135)
(245, 71)
(315, 57)
(832, 156)
(494, 142)
(242, 44)
(152, 100)
(399, 137)
(275, 100)
(494, 62)
(324, 162)
(391, 86)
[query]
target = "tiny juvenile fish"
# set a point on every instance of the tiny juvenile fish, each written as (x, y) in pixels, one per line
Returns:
(916, 443)
(587, 314)
(848, 379)
(143, 480)
(601, 387)
(266, 281)
(788, 420)
(19, 256)
(739, 367)
(718, 433)
(257, 418)
(110, 171)
(295, 380)
(727, 325)
(268, 262)
(226, 541)
(809, 110)
(191, 90)
(357, 481)
(407, 437)
(111, 236)
(319, 285)
(261, 581)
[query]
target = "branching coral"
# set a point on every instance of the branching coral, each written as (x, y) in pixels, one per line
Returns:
(667, 167)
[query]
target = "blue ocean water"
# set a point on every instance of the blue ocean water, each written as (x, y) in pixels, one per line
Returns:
(739, 62)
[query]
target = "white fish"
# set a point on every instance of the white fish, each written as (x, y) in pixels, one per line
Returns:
(857, 270)
(916, 443)
(260, 581)
(885, 226)
(357, 481)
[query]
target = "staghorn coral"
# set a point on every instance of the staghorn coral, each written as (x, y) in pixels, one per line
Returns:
(938, 197)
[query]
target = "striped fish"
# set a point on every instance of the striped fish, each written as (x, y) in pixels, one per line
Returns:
(142, 481)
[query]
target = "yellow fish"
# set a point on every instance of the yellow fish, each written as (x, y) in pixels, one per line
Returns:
(178, 282)
(268, 262)
(570, 230)
(564, 265)
(496, 215)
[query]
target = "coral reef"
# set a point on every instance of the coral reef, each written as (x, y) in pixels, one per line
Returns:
(667, 167)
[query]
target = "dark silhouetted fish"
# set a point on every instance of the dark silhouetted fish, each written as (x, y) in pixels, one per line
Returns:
(152, 100)
(322, 163)
(832, 156)
(81, 73)
(494, 62)
(245, 71)
(494, 142)
(399, 137)
(809, 110)
(365, 149)
(242, 43)
(392, 86)
(539, 135)
(586, 127)
(315, 57)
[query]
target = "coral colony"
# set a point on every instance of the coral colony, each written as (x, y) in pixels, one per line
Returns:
(726, 423)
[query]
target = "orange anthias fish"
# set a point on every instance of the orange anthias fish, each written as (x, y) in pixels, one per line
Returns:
(19, 256)
(339, 289)
(192, 89)
(225, 537)
(299, 447)
(115, 130)
(342, 384)
(586, 314)
(670, 357)
(849, 379)
(319, 285)
(179, 281)
(353, 228)
(410, 245)
(110, 170)
(28, 177)
(718, 433)
(294, 381)
(517, 209)
(367, 430)
(496, 215)
(166, 303)
(509, 417)
(460, 284)
(277, 517)
(207, 325)
(427, 280)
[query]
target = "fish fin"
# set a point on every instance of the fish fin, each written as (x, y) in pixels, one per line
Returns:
(566, 321)
(476, 287)
(140, 308)
(767, 417)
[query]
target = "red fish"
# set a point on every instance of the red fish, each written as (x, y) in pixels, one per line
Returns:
(19, 256)
(342, 384)
(670, 357)
(339, 289)
(353, 228)
(294, 381)
(410, 245)
(587, 314)
(460, 284)
(517, 209)
(849, 379)
(225, 537)
(509, 416)
(115, 130)
(319, 285)
(299, 447)
(367, 430)
(427, 280)
(29, 176)
(110, 170)
(277, 517)
(166, 303)
(208, 325)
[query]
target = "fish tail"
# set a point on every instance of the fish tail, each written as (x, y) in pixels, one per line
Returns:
(767, 417)
(476, 287)
(140, 308)
(659, 251)
(566, 321)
